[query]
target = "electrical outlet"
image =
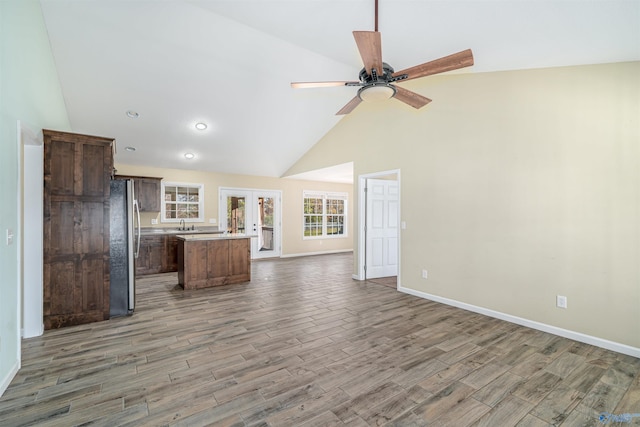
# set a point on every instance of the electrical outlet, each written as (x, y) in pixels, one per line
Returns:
(561, 301)
(212, 220)
(154, 221)
(424, 274)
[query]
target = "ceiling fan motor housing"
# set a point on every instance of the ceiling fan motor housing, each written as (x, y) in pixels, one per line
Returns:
(378, 87)
(376, 76)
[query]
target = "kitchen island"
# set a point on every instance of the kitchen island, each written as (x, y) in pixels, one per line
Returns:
(206, 260)
(159, 248)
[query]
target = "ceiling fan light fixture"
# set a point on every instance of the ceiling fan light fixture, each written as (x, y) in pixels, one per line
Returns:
(375, 93)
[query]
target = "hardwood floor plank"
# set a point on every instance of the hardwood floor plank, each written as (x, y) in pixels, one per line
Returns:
(508, 412)
(537, 387)
(531, 421)
(498, 389)
(305, 344)
(443, 401)
(483, 376)
(557, 405)
(463, 414)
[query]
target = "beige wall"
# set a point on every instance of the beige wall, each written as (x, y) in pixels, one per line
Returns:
(515, 187)
(292, 242)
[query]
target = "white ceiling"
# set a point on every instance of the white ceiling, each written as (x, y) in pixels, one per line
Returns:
(229, 64)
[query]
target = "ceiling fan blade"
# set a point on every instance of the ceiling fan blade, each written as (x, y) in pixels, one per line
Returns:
(447, 63)
(411, 98)
(370, 48)
(304, 85)
(351, 105)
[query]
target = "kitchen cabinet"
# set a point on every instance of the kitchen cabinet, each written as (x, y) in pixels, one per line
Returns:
(147, 192)
(77, 174)
(213, 260)
(158, 254)
(150, 256)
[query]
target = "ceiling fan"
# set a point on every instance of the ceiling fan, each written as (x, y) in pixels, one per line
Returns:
(376, 80)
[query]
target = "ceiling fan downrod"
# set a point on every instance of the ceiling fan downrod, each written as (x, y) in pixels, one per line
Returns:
(376, 16)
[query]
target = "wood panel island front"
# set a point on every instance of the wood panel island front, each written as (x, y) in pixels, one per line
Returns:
(206, 260)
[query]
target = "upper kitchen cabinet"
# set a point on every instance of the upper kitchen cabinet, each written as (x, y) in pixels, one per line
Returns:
(77, 171)
(147, 192)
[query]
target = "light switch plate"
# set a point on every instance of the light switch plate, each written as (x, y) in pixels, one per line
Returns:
(9, 236)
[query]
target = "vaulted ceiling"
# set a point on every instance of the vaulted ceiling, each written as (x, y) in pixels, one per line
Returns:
(229, 64)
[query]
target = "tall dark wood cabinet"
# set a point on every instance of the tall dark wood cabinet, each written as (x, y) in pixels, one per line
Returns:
(77, 171)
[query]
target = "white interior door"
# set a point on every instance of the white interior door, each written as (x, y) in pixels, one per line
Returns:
(381, 228)
(253, 212)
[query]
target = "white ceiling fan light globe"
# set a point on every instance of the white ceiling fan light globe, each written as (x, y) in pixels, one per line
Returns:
(376, 93)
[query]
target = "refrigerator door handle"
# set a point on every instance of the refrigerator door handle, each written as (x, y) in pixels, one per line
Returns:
(135, 204)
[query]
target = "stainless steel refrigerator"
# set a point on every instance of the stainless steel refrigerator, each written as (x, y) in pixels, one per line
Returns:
(124, 246)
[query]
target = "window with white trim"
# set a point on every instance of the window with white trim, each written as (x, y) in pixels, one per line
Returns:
(324, 214)
(182, 201)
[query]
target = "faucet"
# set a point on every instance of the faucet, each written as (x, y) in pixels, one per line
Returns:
(182, 226)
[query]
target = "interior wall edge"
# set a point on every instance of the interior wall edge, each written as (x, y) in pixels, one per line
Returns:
(9, 377)
(565, 333)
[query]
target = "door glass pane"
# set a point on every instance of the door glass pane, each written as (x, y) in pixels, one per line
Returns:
(265, 224)
(235, 214)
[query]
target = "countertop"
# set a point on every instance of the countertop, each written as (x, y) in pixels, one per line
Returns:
(159, 231)
(214, 236)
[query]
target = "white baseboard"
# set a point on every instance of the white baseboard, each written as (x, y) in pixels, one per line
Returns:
(4, 384)
(316, 253)
(32, 334)
(576, 336)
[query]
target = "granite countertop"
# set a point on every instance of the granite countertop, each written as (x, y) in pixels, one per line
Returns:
(214, 236)
(154, 231)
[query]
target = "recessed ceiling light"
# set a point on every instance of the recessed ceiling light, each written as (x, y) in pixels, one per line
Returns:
(201, 126)
(132, 114)
(189, 156)
(130, 148)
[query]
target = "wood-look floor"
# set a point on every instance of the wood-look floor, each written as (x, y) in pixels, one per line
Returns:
(305, 345)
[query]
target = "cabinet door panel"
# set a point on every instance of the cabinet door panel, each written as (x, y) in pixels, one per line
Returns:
(60, 168)
(239, 257)
(171, 254)
(61, 280)
(156, 253)
(196, 262)
(93, 162)
(60, 228)
(92, 228)
(148, 191)
(218, 254)
(90, 292)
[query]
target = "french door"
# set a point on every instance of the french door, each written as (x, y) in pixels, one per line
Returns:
(253, 212)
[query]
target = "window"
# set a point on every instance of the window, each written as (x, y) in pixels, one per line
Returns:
(324, 214)
(182, 201)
